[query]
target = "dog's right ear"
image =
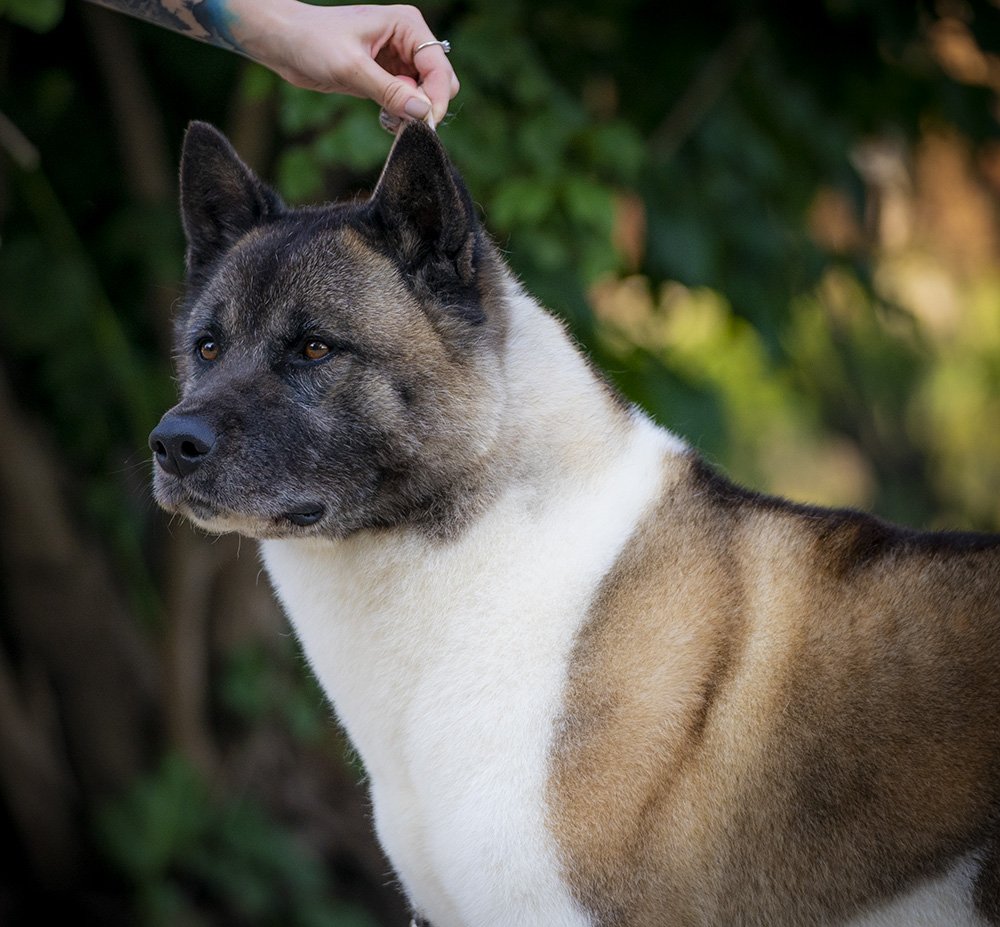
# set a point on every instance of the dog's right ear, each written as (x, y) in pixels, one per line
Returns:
(221, 198)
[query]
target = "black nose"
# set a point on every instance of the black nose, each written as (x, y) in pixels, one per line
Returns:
(181, 443)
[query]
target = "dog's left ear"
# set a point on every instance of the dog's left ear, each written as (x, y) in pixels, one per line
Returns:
(221, 198)
(423, 215)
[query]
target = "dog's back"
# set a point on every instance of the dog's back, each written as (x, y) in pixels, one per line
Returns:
(592, 682)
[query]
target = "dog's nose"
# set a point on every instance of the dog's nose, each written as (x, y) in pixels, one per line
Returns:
(181, 443)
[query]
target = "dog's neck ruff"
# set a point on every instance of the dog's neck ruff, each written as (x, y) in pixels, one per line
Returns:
(446, 664)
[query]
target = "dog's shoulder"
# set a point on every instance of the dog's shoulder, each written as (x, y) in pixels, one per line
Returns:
(745, 652)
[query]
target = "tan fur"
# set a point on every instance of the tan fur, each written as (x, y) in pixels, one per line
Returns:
(768, 696)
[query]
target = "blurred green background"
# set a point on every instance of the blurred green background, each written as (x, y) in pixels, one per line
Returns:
(774, 225)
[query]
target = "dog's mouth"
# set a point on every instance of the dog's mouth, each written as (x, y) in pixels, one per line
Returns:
(306, 515)
(220, 518)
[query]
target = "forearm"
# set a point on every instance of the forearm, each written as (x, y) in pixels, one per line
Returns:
(211, 21)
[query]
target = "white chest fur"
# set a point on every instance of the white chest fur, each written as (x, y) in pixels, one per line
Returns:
(446, 662)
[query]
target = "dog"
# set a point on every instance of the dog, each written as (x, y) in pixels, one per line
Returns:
(593, 682)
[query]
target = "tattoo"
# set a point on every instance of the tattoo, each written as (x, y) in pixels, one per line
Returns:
(208, 20)
(215, 17)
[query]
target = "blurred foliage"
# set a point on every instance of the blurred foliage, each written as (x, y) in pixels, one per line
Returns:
(255, 694)
(39, 15)
(175, 841)
(773, 226)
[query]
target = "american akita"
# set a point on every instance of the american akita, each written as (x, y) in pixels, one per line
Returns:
(592, 681)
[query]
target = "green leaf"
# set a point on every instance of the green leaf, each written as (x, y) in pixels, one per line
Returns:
(521, 201)
(299, 176)
(161, 819)
(306, 109)
(357, 141)
(589, 203)
(618, 150)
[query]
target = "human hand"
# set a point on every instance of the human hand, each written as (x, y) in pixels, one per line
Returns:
(365, 51)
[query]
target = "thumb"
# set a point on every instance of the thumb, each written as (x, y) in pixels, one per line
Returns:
(416, 103)
(399, 96)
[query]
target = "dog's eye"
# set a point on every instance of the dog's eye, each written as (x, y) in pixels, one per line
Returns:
(208, 349)
(315, 349)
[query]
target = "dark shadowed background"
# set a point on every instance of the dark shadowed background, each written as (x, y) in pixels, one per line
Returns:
(774, 225)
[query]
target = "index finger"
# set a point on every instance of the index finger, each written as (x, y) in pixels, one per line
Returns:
(437, 78)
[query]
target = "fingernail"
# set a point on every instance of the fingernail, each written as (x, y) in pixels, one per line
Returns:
(416, 108)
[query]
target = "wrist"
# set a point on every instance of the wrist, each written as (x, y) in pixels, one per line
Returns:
(258, 27)
(217, 19)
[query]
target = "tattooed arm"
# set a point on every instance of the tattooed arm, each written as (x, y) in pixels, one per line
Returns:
(365, 51)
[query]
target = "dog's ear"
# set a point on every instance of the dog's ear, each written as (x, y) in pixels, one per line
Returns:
(422, 214)
(221, 198)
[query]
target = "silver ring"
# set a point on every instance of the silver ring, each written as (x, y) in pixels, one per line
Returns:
(445, 46)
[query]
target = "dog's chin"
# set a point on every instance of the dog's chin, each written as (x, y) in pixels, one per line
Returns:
(220, 522)
(297, 522)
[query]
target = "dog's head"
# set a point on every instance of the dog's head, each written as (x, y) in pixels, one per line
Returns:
(339, 364)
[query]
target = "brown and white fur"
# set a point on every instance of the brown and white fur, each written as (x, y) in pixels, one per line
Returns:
(592, 682)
